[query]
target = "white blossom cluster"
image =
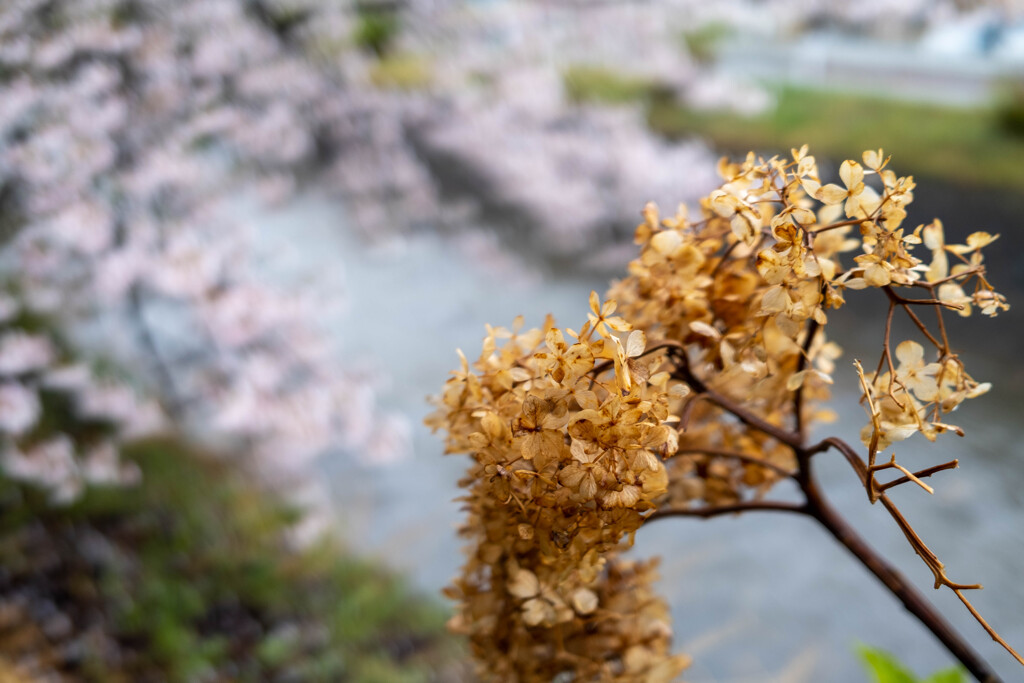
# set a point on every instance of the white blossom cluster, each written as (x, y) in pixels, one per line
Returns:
(124, 127)
(506, 121)
(60, 423)
(571, 170)
(578, 194)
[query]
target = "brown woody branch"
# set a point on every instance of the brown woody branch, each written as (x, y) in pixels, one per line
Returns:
(684, 374)
(735, 508)
(817, 506)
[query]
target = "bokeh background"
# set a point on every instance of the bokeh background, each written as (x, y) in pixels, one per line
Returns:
(242, 239)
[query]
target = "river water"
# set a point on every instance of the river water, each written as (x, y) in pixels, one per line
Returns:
(755, 598)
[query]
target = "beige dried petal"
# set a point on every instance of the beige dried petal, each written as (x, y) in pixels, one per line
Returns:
(772, 267)
(494, 426)
(852, 174)
(654, 482)
(803, 216)
(744, 230)
(679, 390)
(626, 497)
(831, 194)
(637, 659)
(856, 283)
(645, 460)
(877, 275)
(571, 476)
(954, 294)
(587, 399)
(545, 445)
(811, 185)
(939, 267)
(932, 235)
(796, 380)
(666, 242)
(588, 486)
(977, 240)
(874, 159)
(898, 432)
(618, 324)
(980, 389)
(659, 379)
(910, 353)
(705, 329)
(584, 601)
(537, 612)
(774, 300)
(524, 584)
(667, 670)
(636, 343)
(520, 374)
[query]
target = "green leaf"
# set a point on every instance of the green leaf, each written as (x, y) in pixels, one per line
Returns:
(953, 674)
(883, 667)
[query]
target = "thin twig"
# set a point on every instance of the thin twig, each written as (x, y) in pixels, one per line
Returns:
(718, 510)
(687, 412)
(909, 476)
(608, 364)
(916, 604)
(984, 624)
(684, 374)
(964, 274)
(921, 474)
(842, 224)
(920, 302)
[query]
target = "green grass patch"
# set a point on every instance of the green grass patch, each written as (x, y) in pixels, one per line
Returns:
(401, 72)
(600, 85)
(963, 146)
(702, 43)
(376, 31)
(189, 576)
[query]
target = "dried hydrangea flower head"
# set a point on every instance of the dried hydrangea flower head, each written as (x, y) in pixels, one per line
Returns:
(567, 431)
(746, 287)
(692, 396)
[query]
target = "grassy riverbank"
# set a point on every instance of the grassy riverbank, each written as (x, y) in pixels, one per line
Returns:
(961, 146)
(189, 576)
(968, 147)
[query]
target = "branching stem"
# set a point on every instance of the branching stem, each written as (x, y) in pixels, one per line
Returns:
(817, 506)
(719, 510)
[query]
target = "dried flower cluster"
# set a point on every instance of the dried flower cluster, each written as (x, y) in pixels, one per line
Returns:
(701, 393)
(566, 463)
(745, 289)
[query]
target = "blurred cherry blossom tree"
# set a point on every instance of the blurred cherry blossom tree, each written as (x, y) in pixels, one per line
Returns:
(125, 127)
